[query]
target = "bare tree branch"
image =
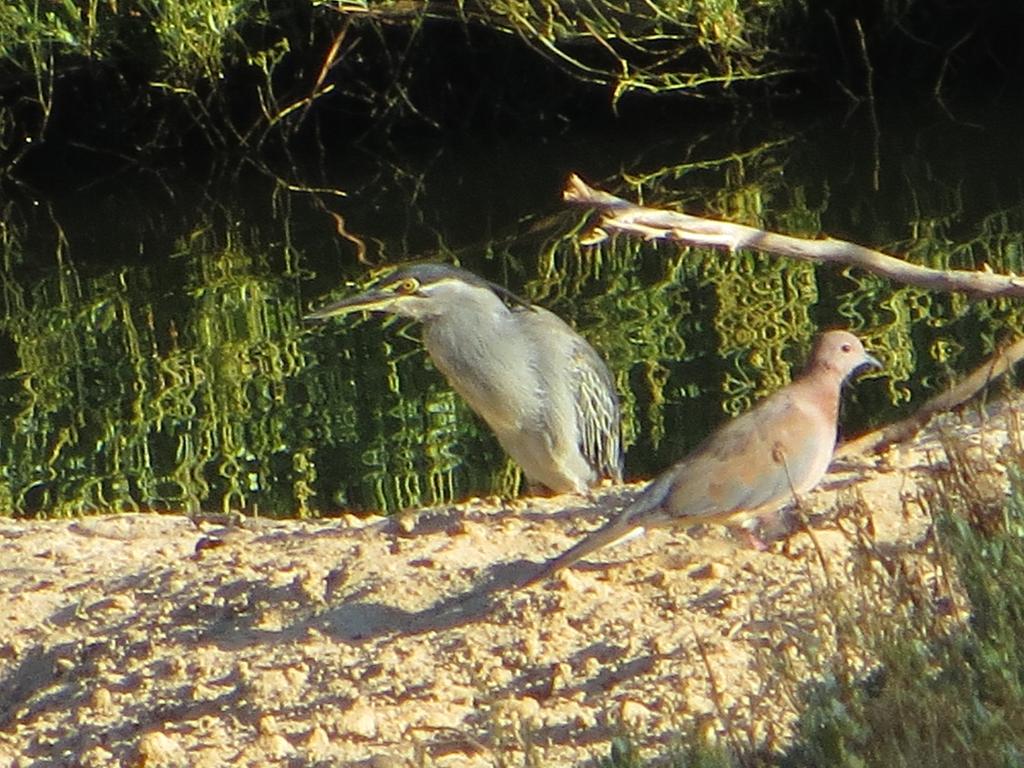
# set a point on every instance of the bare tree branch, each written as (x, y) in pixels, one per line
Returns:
(618, 215)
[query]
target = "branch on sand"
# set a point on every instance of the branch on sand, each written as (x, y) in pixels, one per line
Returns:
(618, 215)
(956, 395)
(621, 216)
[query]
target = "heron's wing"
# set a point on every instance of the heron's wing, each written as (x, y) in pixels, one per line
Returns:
(597, 412)
(579, 375)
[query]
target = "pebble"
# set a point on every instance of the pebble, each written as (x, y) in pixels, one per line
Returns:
(360, 719)
(633, 713)
(103, 701)
(318, 743)
(158, 750)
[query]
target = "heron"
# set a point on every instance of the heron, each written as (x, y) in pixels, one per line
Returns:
(544, 391)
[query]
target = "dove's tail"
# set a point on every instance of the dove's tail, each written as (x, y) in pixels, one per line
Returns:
(614, 532)
(631, 522)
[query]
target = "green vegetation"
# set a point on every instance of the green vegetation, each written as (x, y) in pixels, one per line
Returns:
(694, 753)
(942, 694)
(935, 681)
(67, 65)
(232, 74)
(672, 47)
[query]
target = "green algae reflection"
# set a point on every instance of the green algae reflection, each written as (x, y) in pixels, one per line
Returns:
(186, 381)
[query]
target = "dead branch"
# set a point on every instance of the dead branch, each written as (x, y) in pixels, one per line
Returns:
(618, 215)
(958, 394)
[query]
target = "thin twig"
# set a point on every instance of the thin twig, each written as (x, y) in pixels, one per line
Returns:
(869, 77)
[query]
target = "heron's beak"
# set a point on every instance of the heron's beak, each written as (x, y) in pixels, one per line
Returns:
(372, 300)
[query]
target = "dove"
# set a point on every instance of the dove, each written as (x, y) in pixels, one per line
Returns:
(774, 452)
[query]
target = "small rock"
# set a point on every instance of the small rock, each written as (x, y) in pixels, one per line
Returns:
(97, 756)
(318, 743)
(663, 645)
(277, 684)
(500, 676)
(268, 725)
(297, 676)
(531, 646)
(570, 581)
(633, 713)
(103, 701)
(360, 720)
(277, 746)
(708, 571)
(524, 709)
(585, 718)
(158, 750)
(561, 676)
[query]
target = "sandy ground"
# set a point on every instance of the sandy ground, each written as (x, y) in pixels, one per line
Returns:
(148, 640)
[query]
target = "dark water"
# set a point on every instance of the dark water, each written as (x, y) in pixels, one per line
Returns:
(152, 352)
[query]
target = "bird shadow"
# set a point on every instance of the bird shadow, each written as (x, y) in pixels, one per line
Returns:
(364, 621)
(367, 612)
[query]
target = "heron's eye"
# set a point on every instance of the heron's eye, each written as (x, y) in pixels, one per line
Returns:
(407, 286)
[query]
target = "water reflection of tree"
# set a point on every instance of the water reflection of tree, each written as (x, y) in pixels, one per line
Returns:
(186, 381)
